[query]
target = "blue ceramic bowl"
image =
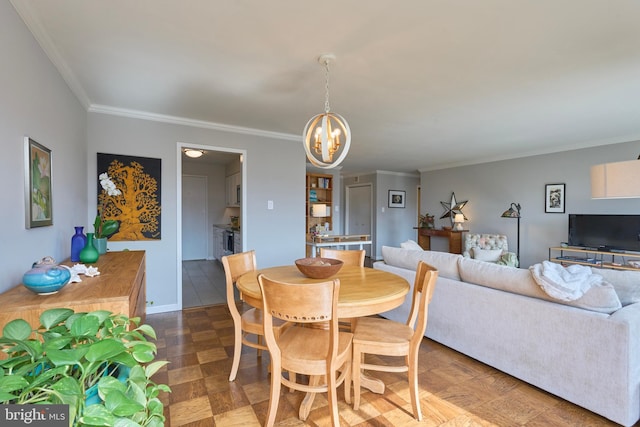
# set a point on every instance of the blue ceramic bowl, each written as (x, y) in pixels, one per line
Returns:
(46, 279)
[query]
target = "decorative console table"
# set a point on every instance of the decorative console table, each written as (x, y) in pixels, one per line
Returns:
(454, 237)
(339, 241)
(120, 288)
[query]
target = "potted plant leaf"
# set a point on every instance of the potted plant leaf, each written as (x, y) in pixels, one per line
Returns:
(98, 363)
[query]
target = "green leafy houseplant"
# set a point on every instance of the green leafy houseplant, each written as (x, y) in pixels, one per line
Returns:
(105, 228)
(71, 353)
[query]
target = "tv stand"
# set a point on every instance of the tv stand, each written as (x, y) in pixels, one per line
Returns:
(608, 258)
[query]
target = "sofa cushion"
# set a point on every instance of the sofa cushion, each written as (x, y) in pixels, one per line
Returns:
(411, 245)
(489, 255)
(445, 262)
(602, 299)
(626, 283)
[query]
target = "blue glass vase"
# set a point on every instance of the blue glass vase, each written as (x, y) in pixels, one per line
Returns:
(78, 241)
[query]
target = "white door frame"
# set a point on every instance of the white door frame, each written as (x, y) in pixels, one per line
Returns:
(243, 189)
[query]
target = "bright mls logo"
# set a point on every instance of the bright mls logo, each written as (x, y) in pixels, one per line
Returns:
(34, 415)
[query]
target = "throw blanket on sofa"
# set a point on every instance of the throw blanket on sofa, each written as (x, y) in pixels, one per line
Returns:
(564, 283)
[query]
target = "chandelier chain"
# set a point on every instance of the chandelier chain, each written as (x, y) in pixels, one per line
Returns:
(327, 108)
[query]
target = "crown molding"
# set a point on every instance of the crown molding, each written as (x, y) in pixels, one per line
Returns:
(144, 115)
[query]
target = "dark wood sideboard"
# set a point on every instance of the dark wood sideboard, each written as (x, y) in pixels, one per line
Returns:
(120, 288)
(454, 237)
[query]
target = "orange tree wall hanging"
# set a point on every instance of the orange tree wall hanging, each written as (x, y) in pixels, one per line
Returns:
(137, 208)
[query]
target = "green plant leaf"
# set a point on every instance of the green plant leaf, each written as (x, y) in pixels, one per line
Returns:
(154, 367)
(109, 227)
(125, 422)
(54, 316)
(56, 343)
(17, 329)
(6, 397)
(102, 315)
(147, 330)
(119, 404)
(105, 350)
(66, 356)
(86, 325)
(9, 383)
(97, 415)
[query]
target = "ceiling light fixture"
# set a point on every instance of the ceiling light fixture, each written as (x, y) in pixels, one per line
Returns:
(194, 154)
(327, 136)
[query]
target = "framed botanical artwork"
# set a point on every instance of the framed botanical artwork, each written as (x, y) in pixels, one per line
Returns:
(37, 184)
(397, 198)
(554, 198)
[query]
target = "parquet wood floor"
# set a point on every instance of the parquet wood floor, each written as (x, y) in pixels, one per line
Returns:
(455, 390)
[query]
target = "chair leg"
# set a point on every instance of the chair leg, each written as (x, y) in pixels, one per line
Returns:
(357, 359)
(333, 399)
(237, 350)
(274, 393)
(412, 373)
(347, 381)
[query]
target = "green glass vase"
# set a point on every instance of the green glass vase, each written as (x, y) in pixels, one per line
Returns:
(89, 254)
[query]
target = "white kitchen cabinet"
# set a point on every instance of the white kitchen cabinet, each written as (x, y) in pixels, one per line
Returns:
(233, 185)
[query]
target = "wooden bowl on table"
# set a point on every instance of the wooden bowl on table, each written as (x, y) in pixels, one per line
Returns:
(319, 268)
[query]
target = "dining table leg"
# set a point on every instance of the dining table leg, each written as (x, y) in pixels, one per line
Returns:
(307, 402)
(372, 384)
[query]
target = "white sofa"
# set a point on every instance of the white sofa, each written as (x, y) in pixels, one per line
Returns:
(586, 351)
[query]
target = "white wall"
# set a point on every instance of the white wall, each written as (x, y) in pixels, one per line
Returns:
(275, 171)
(491, 187)
(216, 197)
(35, 101)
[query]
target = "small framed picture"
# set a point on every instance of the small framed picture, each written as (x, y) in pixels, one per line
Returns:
(37, 184)
(554, 198)
(397, 198)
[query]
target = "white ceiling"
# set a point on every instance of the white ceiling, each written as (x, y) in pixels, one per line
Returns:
(424, 84)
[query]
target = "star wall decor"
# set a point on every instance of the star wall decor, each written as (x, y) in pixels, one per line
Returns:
(453, 207)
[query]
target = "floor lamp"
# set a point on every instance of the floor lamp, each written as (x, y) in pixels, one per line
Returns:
(514, 212)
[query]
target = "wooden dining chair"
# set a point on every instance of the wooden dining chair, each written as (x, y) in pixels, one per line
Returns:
(324, 355)
(374, 335)
(248, 329)
(348, 257)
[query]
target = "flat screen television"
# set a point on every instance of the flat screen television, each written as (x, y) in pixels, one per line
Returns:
(605, 232)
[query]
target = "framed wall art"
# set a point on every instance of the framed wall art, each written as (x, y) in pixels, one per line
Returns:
(554, 198)
(397, 198)
(37, 184)
(137, 209)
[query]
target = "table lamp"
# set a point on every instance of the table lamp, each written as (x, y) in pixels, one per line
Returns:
(458, 219)
(319, 210)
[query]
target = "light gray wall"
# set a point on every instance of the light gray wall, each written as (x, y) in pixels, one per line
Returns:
(275, 171)
(491, 187)
(391, 226)
(35, 101)
(394, 225)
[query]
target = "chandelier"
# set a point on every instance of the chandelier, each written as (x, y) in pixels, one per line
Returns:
(327, 136)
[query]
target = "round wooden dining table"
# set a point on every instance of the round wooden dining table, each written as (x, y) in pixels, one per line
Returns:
(363, 291)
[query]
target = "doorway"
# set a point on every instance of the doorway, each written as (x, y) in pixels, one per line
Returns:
(359, 211)
(203, 204)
